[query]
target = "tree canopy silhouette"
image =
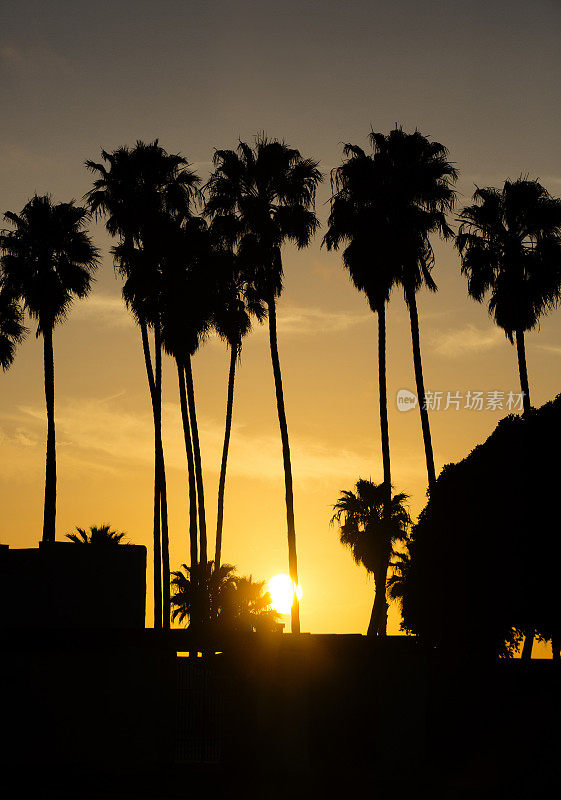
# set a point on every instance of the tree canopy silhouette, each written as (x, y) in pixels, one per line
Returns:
(485, 553)
(510, 246)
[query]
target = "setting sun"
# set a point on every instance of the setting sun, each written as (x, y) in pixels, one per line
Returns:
(280, 589)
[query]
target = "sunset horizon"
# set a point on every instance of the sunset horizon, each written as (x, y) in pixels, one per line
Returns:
(280, 350)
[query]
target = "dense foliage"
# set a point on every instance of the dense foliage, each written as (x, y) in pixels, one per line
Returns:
(485, 553)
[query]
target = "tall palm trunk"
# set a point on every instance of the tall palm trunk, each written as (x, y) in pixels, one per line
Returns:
(197, 455)
(157, 506)
(529, 633)
(49, 510)
(411, 301)
(166, 577)
(193, 545)
(222, 482)
(292, 559)
(378, 619)
(379, 616)
(524, 386)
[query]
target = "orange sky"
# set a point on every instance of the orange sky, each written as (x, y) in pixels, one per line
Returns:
(73, 80)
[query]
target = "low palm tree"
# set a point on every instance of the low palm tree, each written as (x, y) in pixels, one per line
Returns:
(48, 260)
(364, 529)
(270, 188)
(12, 329)
(197, 588)
(416, 179)
(510, 245)
(247, 606)
(99, 535)
(236, 603)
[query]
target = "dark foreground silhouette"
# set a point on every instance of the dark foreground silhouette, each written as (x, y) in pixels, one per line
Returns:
(486, 552)
(94, 705)
(121, 715)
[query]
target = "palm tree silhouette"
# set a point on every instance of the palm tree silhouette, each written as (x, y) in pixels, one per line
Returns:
(232, 322)
(365, 530)
(358, 219)
(245, 605)
(234, 602)
(510, 246)
(99, 535)
(48, 260)
(197, 586)
(271, 189)
(416, 179)
(190, 285)
(137, 190)
(12, 329)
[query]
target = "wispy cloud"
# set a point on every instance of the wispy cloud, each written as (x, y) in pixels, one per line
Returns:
(100, 433)
(551, 348)
(308, 320)
(109, 310)
(466, 341)
(297, 320)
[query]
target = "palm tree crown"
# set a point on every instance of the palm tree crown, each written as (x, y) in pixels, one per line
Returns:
(416, 179)
(358, 218)
(136, 186)
(362, 527)
(510, 245)
(100, 535)
(271, 189)
(198, 587)
(48, 258)
(239, 301)
(246, 605)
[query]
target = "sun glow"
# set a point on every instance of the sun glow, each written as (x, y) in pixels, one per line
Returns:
(280, 588)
